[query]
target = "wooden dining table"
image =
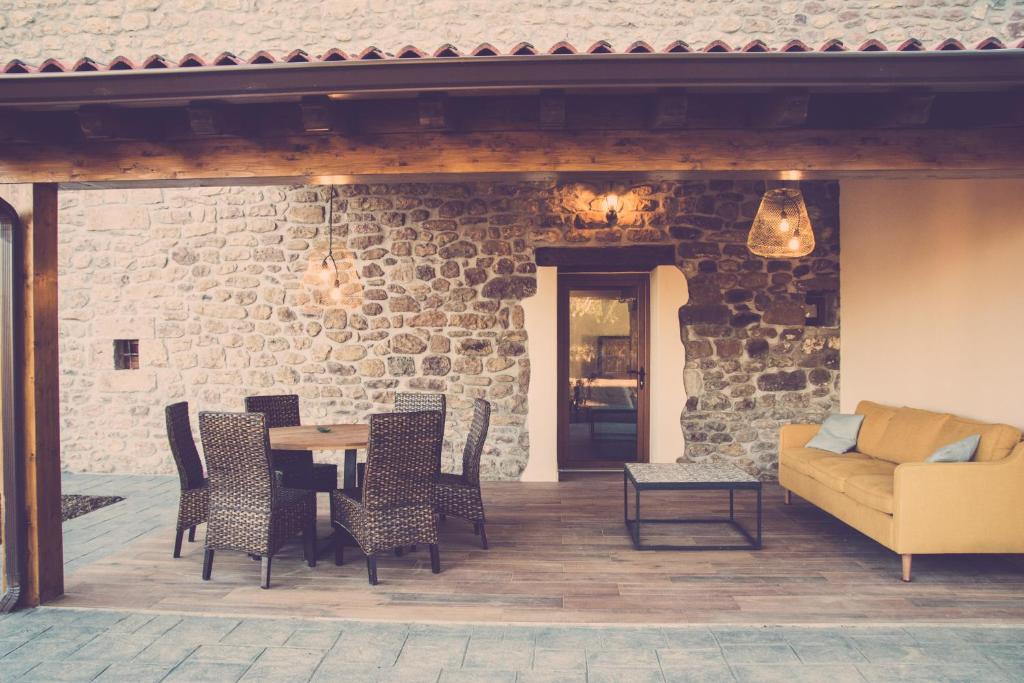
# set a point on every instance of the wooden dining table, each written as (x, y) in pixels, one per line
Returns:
(344, 437)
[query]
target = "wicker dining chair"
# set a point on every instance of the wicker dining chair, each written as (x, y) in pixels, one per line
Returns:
(194, 500)
(408, 402)
(251, 511)
(300, 472)
(459, 494)
(394, 507)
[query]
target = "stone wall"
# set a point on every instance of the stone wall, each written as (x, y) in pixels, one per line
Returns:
(34, 30)
(222, 288)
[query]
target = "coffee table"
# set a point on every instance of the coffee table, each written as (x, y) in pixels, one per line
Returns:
(688, 477)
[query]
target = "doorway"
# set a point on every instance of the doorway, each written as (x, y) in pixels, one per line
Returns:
(603, 356)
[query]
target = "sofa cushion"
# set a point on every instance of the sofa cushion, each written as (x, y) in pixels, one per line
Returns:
(873, 490)
(838, 433)
(835, 470)
(910, 436)
(876, 419)
(997, 440)
(800, 459)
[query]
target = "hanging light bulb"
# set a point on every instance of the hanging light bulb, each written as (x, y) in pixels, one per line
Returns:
(612, 205)
(782, 228)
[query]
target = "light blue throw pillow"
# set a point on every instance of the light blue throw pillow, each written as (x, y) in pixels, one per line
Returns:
(961, 451)
(838, 433)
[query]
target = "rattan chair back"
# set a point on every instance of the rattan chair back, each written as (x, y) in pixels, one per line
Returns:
(237, 460)
(475, 441)
(280, 411)
(183, 446)
(407, 402)
(402, 459)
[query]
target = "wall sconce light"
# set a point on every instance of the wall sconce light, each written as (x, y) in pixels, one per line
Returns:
(612, 205)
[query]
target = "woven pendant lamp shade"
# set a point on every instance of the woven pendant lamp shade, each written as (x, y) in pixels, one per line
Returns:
(782, 228)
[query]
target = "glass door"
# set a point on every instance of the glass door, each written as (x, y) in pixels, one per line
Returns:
(603, 361)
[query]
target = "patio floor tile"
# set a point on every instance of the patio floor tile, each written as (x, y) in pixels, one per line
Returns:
(478, 676)
(113, 647)
(65, 671)
(166, 650)
(827, 653)
(615, 675)
(754, 653)
(772, 673)
(689, 638)
(690, 657)
(263, 632)
(699, 673)
(499, 654)
(538, 676)
(231, 654)
(206, 672)
(133, 672)
(559, 660)
(637, 658)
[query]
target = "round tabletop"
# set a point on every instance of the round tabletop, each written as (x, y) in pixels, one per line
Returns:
(312, 438)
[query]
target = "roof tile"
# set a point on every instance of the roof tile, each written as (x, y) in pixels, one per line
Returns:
(485, 50)
(601, 47)
(191, 60)
(910, 45)
(756, 46)
(16, 66)
(639, 47)
(52, 66)
(156, 62)
(873, 45)
(447, 50)
(832, 45)
(121, 63)
(562, 47)
(410, 52)
(297, 56)
(226, 59)
(86, 64)
(717, 46)
(991, 43)
(372, 53)
(677, 46)
(523, 49)
(795, 46)
(950, 44)
(335, 55)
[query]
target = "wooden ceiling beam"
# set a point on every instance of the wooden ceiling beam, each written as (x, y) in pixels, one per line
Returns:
(669, 110)
(434, 111)
(901, 110)
(780, 110)
(552, 110)
(330, 158)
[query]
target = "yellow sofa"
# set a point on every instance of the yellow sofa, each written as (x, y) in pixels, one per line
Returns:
(885, 489)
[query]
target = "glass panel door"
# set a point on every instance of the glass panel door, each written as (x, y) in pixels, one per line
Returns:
(604, 359)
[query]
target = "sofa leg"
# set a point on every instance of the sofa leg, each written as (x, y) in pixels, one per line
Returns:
(787, 497)
(906, 567)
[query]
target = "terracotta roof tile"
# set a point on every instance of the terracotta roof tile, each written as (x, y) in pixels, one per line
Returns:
(523, 49)
(156, 62)
(410, 52)
(639, 47)
(795, 46)
(447, 50)
(192, 60)
(372, 53)
(16, 66)
(992, 43)
(335, 55)
(297, 56)
(677, 46)
(226, 59)
(910, 45)
(873, 45)
(485, 50)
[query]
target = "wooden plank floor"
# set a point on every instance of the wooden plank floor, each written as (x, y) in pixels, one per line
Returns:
(560, 553)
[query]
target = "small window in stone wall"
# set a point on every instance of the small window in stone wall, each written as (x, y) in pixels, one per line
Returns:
(822, 309)
(126, 354)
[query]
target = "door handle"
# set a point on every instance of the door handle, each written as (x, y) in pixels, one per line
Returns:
(641, 377)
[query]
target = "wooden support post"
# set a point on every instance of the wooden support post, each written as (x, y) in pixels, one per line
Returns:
(37, 403)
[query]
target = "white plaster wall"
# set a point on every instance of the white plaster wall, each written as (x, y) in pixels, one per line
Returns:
(932, 295)
(668, 358)
(541, 322)
(668, 293)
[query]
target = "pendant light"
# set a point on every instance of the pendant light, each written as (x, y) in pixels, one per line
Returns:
(782, 228)
(330, 277)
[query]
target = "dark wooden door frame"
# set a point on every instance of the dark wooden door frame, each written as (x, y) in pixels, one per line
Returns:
(600, 280)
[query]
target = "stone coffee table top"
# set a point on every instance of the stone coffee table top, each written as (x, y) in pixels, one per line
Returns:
(687, 473)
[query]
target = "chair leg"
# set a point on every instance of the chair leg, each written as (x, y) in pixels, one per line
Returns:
(192, 534)
(265, 572)
(309, 543)
(788, 497)
(483, 536)
(435, 559)
(207, 564)
(177, 542)
(339, 548)
(907, 559)
(371, 569)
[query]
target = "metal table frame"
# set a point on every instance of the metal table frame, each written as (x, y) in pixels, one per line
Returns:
(754, 542)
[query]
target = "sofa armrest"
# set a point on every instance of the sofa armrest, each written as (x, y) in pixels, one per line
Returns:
(796, 435)
(968, 507)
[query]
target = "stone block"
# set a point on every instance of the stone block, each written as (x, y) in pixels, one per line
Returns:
(126, 381)
(117, 217)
